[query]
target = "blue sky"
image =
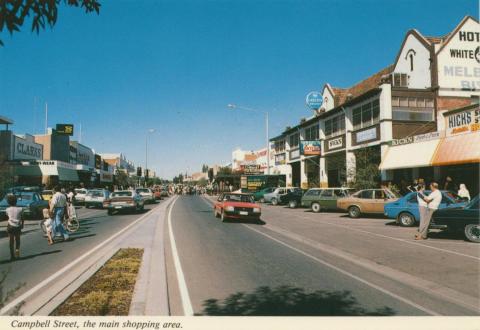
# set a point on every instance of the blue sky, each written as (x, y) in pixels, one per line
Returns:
(175, 65)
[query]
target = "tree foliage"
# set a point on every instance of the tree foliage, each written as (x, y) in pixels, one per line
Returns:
(367, 174)
(43, 12)
(224, 170)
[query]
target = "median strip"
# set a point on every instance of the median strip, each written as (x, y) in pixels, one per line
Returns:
(109, 291)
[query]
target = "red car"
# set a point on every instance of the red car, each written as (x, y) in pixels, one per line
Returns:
(237, 206)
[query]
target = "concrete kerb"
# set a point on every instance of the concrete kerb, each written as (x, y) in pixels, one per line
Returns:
(46, 296)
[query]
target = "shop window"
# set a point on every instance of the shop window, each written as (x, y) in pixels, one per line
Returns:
(414, 109)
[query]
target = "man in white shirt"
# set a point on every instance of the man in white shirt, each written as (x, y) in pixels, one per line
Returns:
(57, 208)
(432, 201)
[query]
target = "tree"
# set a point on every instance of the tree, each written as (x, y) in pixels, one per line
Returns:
(202, 182)
(224, 170)
(121, 178)
(204, 168)
(367, 174)
(14, 12)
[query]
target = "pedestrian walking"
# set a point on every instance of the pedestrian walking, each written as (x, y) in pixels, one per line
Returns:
(48, 223)
(14, 226)
(57, 209)
(432, 201)
(463, 192)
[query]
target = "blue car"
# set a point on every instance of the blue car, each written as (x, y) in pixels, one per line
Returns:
(405, 209)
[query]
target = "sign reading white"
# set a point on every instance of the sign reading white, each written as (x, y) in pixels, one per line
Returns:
(459, 60)
(335, 143)
(24, 149)
(367, 135)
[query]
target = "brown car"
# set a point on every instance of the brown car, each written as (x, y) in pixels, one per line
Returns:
(366, 201)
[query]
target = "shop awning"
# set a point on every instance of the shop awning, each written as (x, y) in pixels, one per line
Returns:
(63, 173)
(460, 149)
(410, 155)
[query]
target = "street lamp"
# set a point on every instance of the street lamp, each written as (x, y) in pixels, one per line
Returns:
(151, 130)
(234, 106)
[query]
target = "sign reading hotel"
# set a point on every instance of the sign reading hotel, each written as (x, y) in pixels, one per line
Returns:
(463, 122)
(310, 148)
(459, 60)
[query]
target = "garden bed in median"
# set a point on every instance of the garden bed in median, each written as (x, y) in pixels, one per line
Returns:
(109, 291)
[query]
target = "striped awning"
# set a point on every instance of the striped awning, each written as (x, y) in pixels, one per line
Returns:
(460, 149)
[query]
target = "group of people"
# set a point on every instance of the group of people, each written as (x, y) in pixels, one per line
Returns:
(60, 205)
(427, 205)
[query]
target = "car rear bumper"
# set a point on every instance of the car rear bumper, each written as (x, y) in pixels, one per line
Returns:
(237, 215)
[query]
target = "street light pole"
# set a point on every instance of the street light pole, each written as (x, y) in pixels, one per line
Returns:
(234, 106)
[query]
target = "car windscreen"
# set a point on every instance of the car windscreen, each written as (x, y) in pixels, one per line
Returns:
(80, 191)
(143, 191)
(239, 198)
(25, 197)
(454, 196)
(122, 194)
(95, 194)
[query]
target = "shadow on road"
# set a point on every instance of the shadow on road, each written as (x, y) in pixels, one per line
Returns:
(31, 256)
(252, 222)
(290, 301)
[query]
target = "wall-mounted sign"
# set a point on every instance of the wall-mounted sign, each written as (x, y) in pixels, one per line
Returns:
(25, 149)
(251, 169)
(295, 154)
(459, 60)
(416, 138)
(366, 135)
(463, 122)
(280, 159)
(335, 143)
(314, 100)
(64, 129)
(310, 148)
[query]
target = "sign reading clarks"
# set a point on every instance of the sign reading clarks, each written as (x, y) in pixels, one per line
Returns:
(310, 148)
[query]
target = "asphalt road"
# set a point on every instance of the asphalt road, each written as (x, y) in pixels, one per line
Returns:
(298, 262)
(38, 260)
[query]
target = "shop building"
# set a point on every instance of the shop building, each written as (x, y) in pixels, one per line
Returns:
(406, 101)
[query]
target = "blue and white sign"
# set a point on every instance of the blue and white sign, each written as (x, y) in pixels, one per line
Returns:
(314, 100)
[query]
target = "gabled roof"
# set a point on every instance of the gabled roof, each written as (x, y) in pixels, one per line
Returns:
(372, 82)
(450, 35)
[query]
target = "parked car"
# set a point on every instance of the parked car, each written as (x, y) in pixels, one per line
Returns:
(46, 194)
(147, 195)
(324, 198)
(96, 197)
(80, 194)
(259, 195)
(31, 202)
(465, 218)
(292, 198)
(370, 201)
(274, 197)
(405, 209)
(124, 200)
(237, 206)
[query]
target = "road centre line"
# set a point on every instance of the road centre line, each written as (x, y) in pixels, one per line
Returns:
(182, 284)
(411, 303)
(389, 237)
(355, 277)
(49, 279)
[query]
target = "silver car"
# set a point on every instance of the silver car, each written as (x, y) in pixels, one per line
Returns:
(147, 195)
(274, 197)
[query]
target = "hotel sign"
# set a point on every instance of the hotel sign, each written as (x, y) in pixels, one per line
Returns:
(463, 122)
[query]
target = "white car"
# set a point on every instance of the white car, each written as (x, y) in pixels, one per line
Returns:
(274, 197)
(147, 195)
(80, 195)
(96, 197)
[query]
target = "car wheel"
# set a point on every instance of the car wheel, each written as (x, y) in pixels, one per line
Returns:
(262, 200)
(405, 219)
(472, 233)
(274, 201)
(316, 207)
(354, 212)
(292, 204)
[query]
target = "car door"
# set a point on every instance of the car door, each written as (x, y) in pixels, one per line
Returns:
(366, 202)
(378, 201)
(327, 200)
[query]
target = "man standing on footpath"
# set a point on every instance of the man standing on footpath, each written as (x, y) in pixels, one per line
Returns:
(57, 209)
(432, 202)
